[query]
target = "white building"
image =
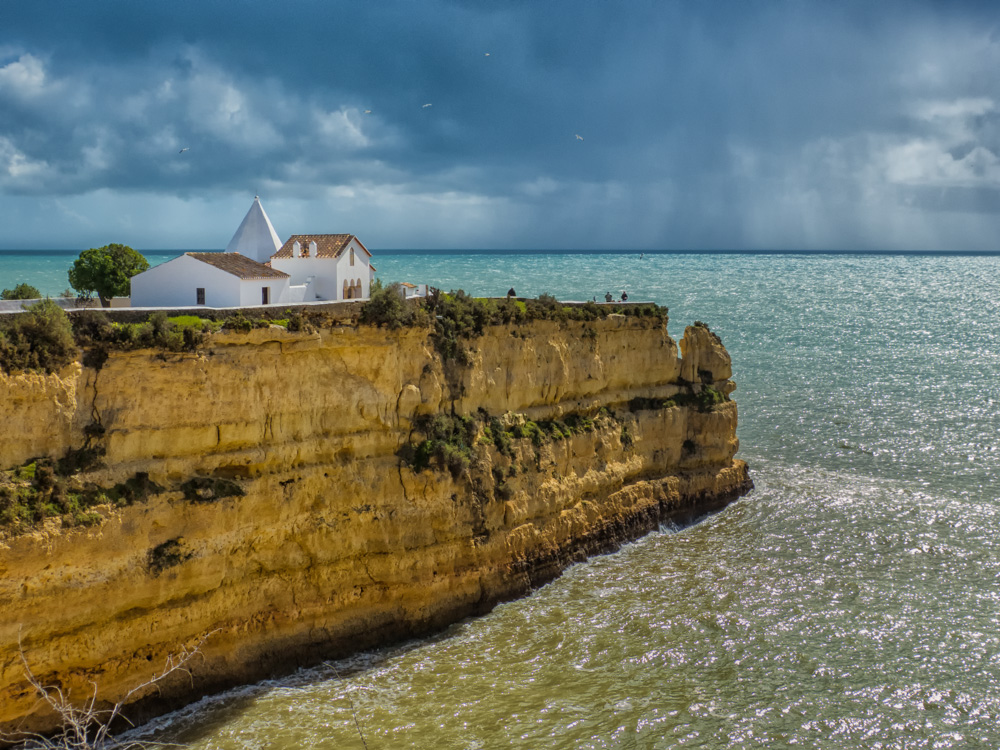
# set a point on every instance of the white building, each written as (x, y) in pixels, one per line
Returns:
(407, 290)
(325, 267)
(210, 279)
(257, 269)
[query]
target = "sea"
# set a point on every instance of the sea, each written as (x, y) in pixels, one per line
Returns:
(851, 600)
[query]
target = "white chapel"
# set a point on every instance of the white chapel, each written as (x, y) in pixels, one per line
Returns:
(258, 269)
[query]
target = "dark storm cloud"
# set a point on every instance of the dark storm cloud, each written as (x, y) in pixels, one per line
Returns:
(709, 125)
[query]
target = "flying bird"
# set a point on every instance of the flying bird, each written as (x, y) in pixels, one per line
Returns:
(186, 148)
(486, 55)
(368, 111)
(579, 137)
(426, 106)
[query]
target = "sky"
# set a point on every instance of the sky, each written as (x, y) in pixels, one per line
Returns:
(503, 124)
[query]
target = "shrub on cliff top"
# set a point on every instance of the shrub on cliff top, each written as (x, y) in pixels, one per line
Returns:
(385, 307)
(39, 339)
(98, 336)
(21, 291)
(459, 317)
(238, 322)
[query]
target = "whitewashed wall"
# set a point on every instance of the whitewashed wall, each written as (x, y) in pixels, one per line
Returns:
(329, 273)
(175, 284)
(251, 291)
(360, 269)
(324, 269)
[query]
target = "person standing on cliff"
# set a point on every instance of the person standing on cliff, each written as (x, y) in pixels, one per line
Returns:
(608, 297)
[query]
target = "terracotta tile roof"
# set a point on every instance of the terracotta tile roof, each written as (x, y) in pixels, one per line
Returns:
(408, 285)
(327, 245)
(239, 265)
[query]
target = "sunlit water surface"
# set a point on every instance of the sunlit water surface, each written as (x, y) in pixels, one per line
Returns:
(852, 600)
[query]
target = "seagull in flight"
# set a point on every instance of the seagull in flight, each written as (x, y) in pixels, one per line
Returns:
(579, 137)
(186, 148)
(368, 111)
(486, 55)
(427, 105)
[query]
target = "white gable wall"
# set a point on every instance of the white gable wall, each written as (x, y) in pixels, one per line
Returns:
(358, 272)
(175, 284)
(329, 273)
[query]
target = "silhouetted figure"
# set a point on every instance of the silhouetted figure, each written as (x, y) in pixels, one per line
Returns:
(608, 297)
(624, 296)
(511, 292)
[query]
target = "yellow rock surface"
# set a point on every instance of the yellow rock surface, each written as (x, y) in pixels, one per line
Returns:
(335, 545)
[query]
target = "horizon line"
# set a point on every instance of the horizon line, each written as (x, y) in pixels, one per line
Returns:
(566, 251)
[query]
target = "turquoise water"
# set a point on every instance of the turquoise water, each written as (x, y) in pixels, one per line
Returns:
(852, 600)
(47, 270)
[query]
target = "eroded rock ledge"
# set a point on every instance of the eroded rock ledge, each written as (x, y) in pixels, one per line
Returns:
(297, 502)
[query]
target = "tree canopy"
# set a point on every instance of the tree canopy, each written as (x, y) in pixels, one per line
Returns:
(105, 271)
(21, 291)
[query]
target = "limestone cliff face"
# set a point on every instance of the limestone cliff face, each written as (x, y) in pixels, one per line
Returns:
(335, 543)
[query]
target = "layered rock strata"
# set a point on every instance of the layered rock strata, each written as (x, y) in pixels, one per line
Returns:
(283, 520)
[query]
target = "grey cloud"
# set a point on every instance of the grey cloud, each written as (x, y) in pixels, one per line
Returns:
(716, 125)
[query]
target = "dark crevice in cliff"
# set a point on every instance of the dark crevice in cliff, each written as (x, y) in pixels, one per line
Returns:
(166, 555)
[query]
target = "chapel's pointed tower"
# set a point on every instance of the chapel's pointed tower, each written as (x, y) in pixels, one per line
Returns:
(256, 237)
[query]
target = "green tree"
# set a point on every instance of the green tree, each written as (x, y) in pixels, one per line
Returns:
(106, 271)
(21, 291)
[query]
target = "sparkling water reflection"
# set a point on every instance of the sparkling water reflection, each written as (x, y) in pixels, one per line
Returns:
(850, 601)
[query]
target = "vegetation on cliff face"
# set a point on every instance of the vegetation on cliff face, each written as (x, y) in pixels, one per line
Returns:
(43, 489)
(704, 400)
(450, 441)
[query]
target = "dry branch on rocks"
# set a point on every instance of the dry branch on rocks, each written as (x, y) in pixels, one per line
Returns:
(86, 726)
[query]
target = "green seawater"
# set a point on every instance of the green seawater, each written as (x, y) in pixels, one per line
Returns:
(851, 600)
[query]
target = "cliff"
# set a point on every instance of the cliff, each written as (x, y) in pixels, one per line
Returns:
(303, 495)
